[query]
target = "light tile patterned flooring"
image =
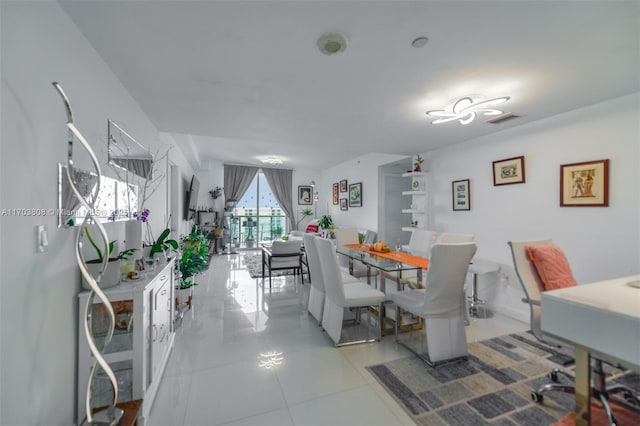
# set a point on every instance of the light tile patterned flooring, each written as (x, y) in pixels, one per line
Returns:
(214, 376)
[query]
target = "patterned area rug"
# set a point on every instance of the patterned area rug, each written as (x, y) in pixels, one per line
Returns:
(254, 267)
(492, 387)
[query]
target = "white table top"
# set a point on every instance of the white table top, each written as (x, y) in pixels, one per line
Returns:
(603, 317)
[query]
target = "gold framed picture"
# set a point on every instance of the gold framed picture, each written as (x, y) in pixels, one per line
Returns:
(508, 171)
(585, 184)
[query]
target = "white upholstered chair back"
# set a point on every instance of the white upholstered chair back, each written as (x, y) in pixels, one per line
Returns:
(529, 280)
(421, 242)
(280, 248)
(445, 279)
(450, 237)
(333, 284)
(316, 294)
(315, 270)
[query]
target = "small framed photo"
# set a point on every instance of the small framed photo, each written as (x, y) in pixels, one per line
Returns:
(508, 171)
(585, 184)
(355, 195)
(343, 204)
(305, 195)
(335, 193)
(343, 185)
(461, 192)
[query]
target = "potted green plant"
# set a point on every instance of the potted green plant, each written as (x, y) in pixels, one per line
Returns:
(191, 263)
(194, 240)
(326, 222)
(249, 224)
(304, 213)
(163, 245)
(111, 275)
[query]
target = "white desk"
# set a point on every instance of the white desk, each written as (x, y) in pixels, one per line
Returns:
(602, 319)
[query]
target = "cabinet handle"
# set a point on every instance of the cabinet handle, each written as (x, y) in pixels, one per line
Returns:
(163, 277)
(163, 333)
(155, 333)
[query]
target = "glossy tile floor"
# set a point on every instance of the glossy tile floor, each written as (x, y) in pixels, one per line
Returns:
(225, 366)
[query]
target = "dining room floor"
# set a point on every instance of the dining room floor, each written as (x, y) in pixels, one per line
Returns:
(249, 355)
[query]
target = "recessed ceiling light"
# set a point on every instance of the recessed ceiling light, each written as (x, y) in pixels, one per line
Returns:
(466, 110)
(332, 43)
(272, 160)
(419, 42)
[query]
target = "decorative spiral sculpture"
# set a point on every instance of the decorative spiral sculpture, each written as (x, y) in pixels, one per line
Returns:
(111, 415)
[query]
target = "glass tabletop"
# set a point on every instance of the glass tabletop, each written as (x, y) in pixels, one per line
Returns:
(378, 262)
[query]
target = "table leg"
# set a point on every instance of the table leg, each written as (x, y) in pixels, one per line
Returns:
(262, 263)
(583, 386)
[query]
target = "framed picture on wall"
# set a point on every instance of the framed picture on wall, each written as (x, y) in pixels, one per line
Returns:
(508, 171)
(355, 195)
(461, 194)
(305, 195)
(343, 185)
(585, 184)
(335, 193)
(343, 204)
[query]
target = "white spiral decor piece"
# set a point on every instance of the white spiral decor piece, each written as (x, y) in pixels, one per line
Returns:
(111, 415)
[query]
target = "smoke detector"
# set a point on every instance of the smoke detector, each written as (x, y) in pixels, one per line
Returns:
(332, 43)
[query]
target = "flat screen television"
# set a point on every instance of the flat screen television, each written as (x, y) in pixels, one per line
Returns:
(192, 198)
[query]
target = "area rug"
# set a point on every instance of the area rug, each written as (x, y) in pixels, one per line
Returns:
(253, 263)
(492, 387)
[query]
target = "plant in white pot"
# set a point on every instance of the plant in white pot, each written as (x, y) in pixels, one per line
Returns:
(111, 276)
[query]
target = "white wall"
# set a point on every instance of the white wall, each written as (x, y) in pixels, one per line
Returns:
(304, 177)
(361, 169)
(600, 242)
(39, 308)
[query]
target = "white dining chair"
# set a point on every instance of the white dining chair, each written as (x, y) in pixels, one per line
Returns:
(440, 304)
(315, 306)
(339, 297)
(345, 236)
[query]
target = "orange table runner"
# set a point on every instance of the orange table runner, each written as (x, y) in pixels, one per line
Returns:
(409, 259)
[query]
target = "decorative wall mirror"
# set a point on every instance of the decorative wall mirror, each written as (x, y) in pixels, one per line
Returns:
(116, 200)
(127, 154)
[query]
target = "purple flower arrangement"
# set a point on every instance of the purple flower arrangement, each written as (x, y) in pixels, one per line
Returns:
(141, 216)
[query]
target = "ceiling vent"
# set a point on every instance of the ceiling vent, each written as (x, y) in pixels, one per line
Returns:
(330, 44)
(502, 118)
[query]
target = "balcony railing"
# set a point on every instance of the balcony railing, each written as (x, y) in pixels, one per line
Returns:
(247, 231)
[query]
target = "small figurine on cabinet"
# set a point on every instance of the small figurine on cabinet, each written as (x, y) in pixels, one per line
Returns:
(417, 163)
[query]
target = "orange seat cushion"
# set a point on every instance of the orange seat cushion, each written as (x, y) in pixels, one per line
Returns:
(551, 265)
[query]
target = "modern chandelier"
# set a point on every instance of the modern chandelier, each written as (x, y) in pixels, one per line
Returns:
(466, 110)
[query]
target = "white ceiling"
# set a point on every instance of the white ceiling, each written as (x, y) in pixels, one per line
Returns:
(237, 81)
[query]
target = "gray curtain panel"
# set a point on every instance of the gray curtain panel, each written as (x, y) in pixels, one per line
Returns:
(237, 180)
(281, 183)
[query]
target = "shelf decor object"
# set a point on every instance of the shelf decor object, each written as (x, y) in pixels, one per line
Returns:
(508, 171)
(585, 184)
(110, 415)
(461, 193)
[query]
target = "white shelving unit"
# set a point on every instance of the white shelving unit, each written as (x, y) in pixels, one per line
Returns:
(419, 200)
(141, 344)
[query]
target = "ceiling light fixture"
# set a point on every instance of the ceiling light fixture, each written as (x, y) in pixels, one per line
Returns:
(272, 160)
(332, 43)
(419, 42)
(466, 110)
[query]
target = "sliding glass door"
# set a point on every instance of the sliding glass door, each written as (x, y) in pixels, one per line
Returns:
(258, 215)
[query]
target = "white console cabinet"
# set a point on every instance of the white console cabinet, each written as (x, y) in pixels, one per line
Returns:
(141, 343)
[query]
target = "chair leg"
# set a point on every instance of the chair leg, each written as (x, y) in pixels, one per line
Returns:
(397, 321)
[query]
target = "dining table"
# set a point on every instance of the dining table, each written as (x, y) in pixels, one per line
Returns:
(392, 263)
